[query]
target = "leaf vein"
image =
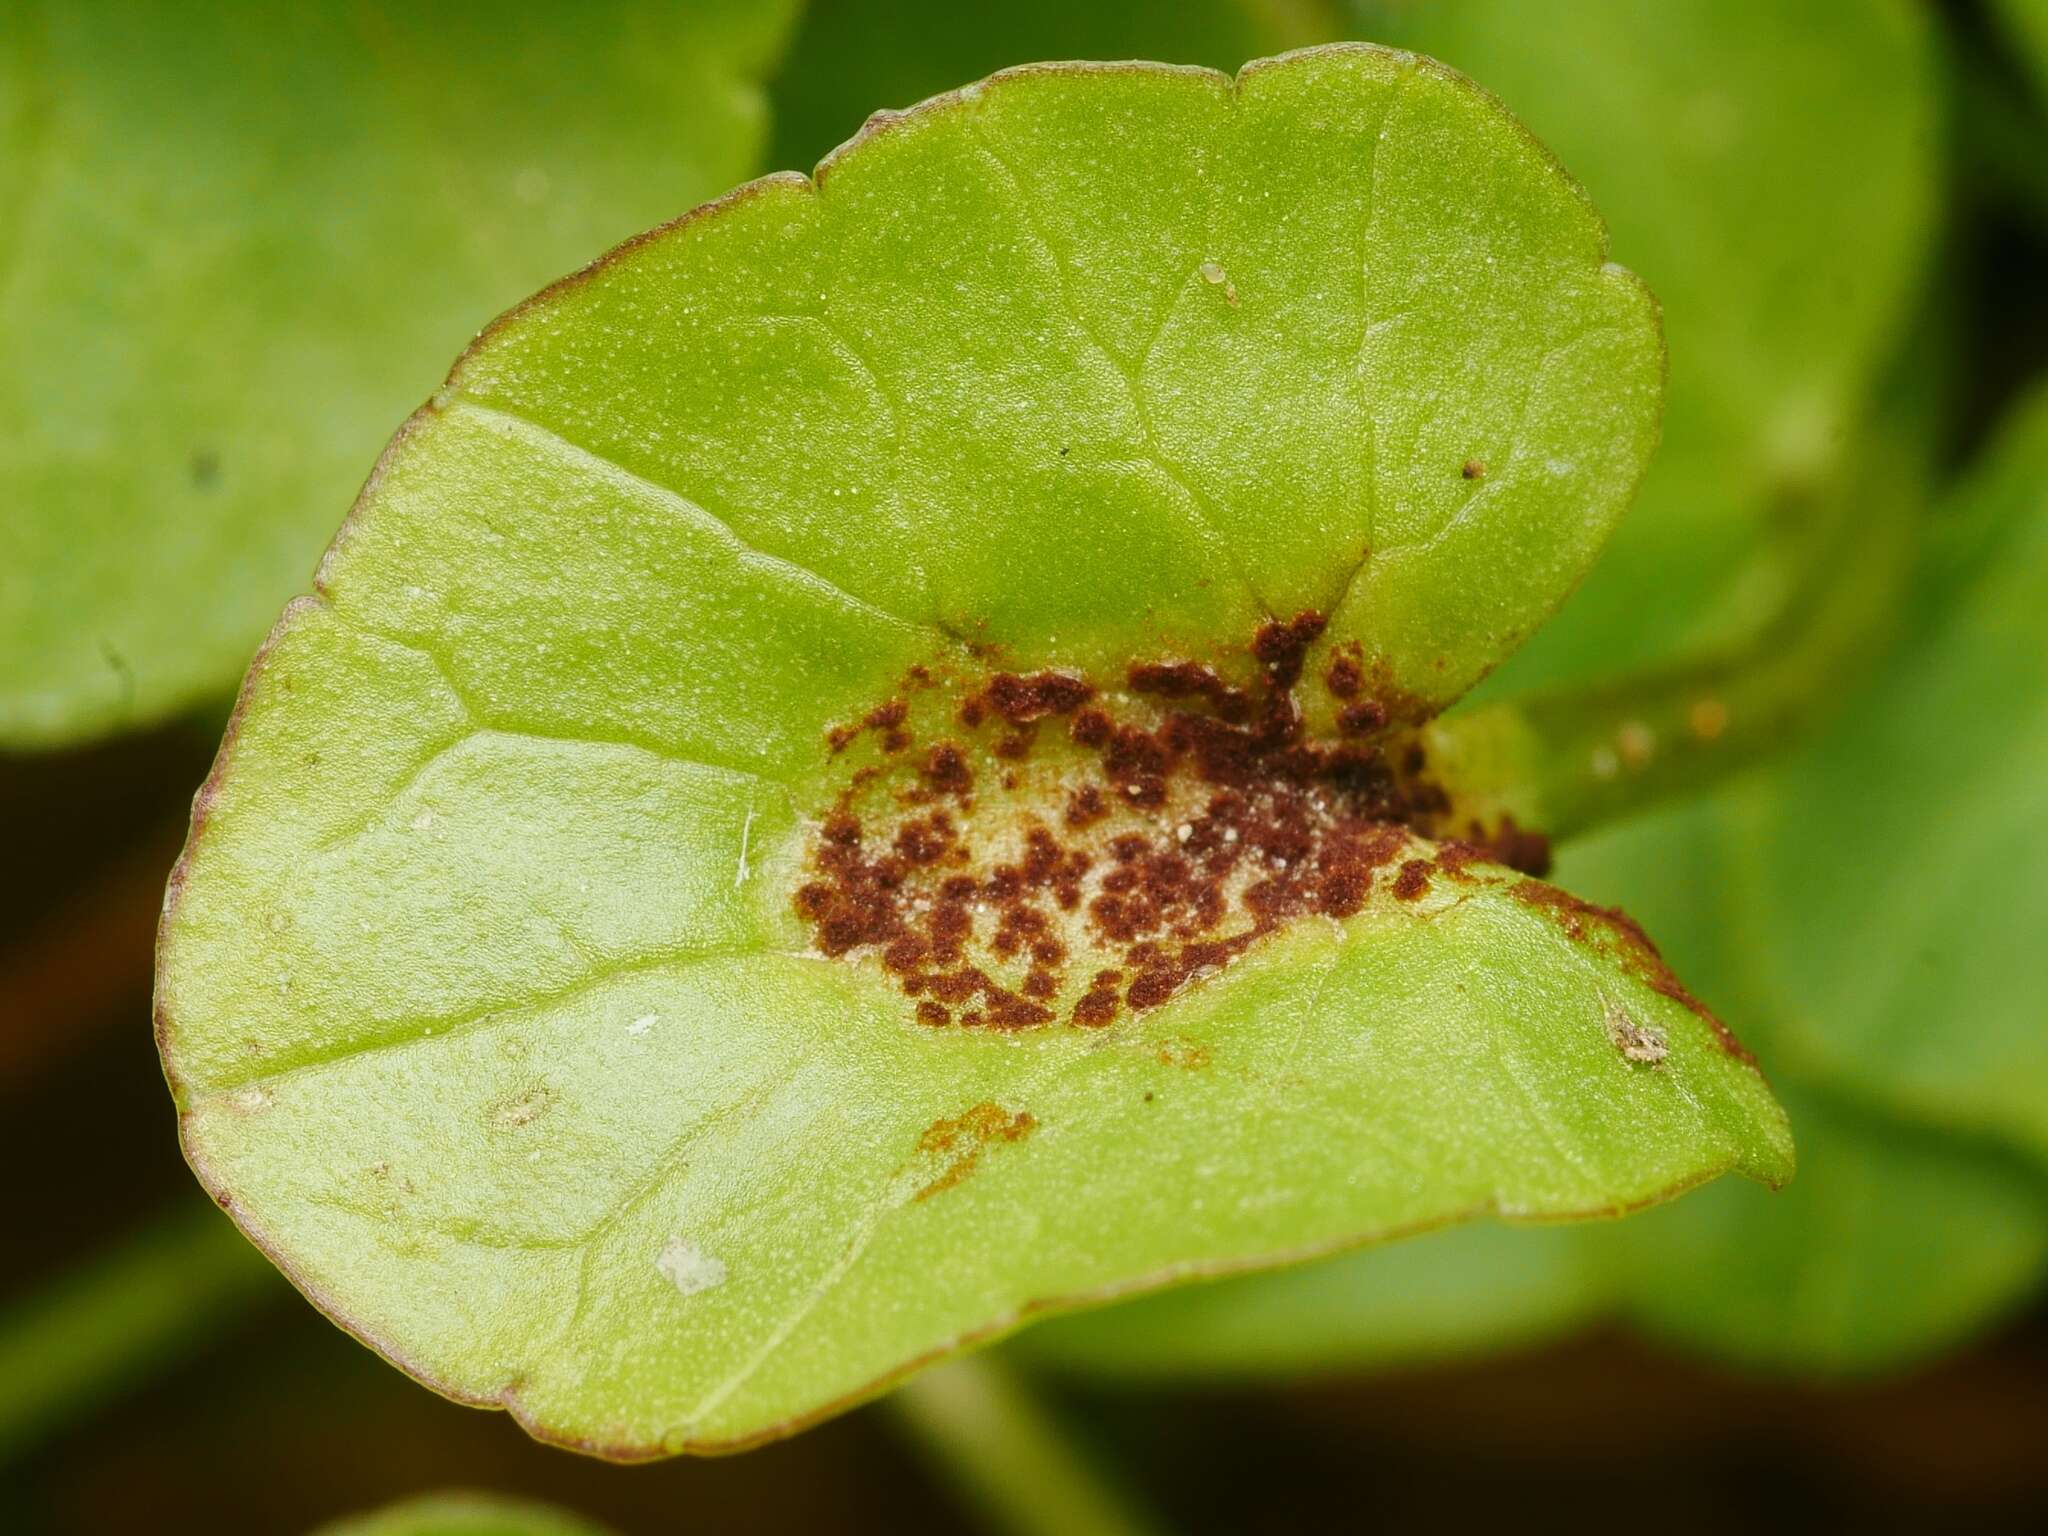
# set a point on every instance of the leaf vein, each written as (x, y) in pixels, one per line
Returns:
(1202, 505)
(454, 1026)
(553, 439)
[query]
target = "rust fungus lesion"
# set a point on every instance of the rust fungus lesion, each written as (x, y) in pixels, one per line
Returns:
(1026, 849)
(1621, 938)
(1182, 1052)
(950, 1148)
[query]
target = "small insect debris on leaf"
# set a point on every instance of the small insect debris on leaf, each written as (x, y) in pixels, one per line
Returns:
(1637, 1042)
(1213, 274)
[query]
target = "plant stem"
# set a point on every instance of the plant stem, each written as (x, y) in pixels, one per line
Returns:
(1572, 761)
(1001, 1447)
(117, 1318)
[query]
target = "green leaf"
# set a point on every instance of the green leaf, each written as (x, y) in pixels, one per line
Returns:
(465, 1514)
(241, 242)
(1895, 1242)
(1918, 827)
(145, 1304)
(2026, 25)
(851, 56)
(1772, 172)
(1470, 1288)
(525, 989)
(1901, 1236)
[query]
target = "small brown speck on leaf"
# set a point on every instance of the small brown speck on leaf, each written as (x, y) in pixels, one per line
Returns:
(957, 1142)
(1363, 718)
(1188, 1055)
(945, 769)
(1024, 699)
(1474, 469)
(524, 1108)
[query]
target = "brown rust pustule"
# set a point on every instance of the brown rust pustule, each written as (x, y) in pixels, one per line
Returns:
(1190, 680)
(1515, 846)
(952, 1146)
(1282, 644)
(946, 769)
(1108, 865)
(1022, 700)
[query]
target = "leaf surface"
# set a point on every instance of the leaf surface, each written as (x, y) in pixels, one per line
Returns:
(239, 244)
(1894, 1244)
(497, 988)
(1815, 1281)
(1906, 1232)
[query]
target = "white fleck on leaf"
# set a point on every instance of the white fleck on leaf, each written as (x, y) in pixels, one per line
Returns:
(689, 1268)
(1637, 1042)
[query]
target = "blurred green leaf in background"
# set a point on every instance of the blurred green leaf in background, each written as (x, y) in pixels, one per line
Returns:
(241, 240)
(464, 1514)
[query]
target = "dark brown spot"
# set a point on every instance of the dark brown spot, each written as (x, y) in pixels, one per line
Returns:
(1086, 806)
(1023, 699)
(1190, 680)
(1518, 848)
(1095, 1008)
(1092, 728)
(1281, 646)
(1362, 718)
(945, 769)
